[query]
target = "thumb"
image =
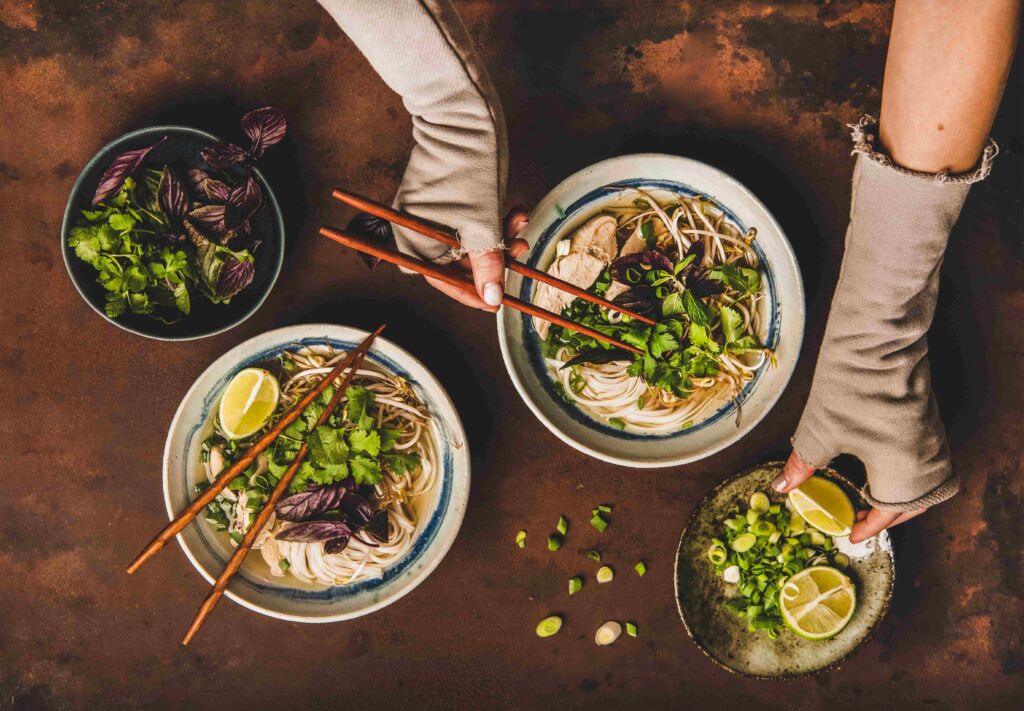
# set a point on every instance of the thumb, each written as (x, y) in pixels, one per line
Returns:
(489, 275)
(795, 473)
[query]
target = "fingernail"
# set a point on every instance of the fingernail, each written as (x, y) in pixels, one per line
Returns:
(779, 483)
(493, 294)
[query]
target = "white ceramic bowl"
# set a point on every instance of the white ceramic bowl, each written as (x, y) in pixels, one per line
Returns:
(286, 597)
(569, 205)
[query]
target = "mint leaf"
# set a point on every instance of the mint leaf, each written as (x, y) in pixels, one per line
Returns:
(401, 463)
(743, 279)
(696, 309)
(746, 344)
(672, 305)
(365, 470)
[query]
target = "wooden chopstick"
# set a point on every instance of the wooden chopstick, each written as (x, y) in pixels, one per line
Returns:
(225, 477)
(447, 236)
(450, 277)
(264, 515)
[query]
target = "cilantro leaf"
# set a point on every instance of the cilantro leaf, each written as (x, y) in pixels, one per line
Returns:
(388, 439)
(365, 470)
(360, 404)
(701, 338)
(746, 344)
(364, 442)
(662, 341)
(327, 446)
(732, 322)
(743, 279)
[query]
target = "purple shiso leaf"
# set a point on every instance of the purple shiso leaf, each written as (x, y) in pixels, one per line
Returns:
(209, 218)
(336, 545)
(312, 531)
(244, 202)
(120, 168)
(171, 196)
(307, 504)
(264, 127)
(648, 257)
(375, 229)
(377, 526)
(235, 275)
(357, 509)
(223, 155)
(205, 187)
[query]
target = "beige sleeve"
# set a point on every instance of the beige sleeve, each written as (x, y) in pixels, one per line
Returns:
(458, 167)
(871, 395)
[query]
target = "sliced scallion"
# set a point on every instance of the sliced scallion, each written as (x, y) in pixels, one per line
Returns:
(640, 568)
(594, 555)
(549, 626)
(554, 542)
(575, 585)
(605, 574)
(521, 539)
(599, 523)
(631, 629)
(563, 525)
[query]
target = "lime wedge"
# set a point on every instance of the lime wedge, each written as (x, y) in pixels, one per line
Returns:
(823, 505)
(248, 402)
(817, 602)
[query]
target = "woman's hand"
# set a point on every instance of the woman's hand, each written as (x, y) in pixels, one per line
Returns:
(488, 268)
(869, 523)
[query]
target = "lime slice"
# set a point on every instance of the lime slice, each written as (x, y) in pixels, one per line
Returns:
(248, 402)
(823, 505)
(817, 602)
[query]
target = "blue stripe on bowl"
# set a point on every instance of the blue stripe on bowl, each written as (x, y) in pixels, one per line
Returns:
(330, 594)
(533, 341)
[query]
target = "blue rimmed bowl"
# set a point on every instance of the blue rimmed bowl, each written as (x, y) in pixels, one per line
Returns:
(578, 198)
(287, 598)
(182, 149)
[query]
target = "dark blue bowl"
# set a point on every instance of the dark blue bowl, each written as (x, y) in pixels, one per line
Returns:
(181, 149)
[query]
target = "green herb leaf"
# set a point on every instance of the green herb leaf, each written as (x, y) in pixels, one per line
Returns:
(732, 323)
(365, 470)
(364, 442)
(401, 464)
(361, 403)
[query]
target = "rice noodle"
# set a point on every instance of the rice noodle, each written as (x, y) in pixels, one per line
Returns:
(606, 390)
(405, 497)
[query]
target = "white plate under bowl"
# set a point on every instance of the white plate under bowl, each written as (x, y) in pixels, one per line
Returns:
(286, 597)
(573, 202)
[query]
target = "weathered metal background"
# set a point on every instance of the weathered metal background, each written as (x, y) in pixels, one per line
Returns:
(760, 89)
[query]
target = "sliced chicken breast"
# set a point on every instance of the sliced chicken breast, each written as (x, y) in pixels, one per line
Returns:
(634, 244)
(616, 288)
(579, 269)
(597, 238)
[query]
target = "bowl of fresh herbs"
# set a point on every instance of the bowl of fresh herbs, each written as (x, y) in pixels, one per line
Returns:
(173, 234)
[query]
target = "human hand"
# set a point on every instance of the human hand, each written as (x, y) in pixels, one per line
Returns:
(869, 523)
(488, 268)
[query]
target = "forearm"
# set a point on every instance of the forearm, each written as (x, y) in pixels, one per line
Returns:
(457, 170)
(945, 73)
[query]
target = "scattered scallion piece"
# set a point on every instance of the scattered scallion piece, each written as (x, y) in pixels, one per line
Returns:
(607, 633)
(575, 584)
(599, 523)
(604, 508)
(631, 629)
(521, 539)
(554, 542)
(284, 564)
(594, 555)
(549, 626)
(605, 574)
(640, 568)
(563, 525)
(759, 502)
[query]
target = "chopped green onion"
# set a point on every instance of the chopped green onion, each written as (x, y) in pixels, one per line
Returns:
(842, 561)
(599, 523)
(744, 542)
(640, 568)
(752, 515)
(283, 564)
(521, 539)
(817, 538)
(631, 629)
(575, 584)
(554, 542)
(617, 423)
(594, 555)
(759, 502)
(563, 525)
(604, 508)
(605, 574)
(763, 528)
(549, 626)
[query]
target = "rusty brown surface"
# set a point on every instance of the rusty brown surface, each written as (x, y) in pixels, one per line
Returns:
(762, 90)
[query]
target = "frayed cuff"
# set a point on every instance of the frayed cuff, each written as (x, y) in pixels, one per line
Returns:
(864, 132)
(947, 490)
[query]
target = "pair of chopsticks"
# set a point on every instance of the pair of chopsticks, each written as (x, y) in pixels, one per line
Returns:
(447, 236)
(352, 362)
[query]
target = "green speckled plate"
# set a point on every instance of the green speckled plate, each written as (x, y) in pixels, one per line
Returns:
(723, 637)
